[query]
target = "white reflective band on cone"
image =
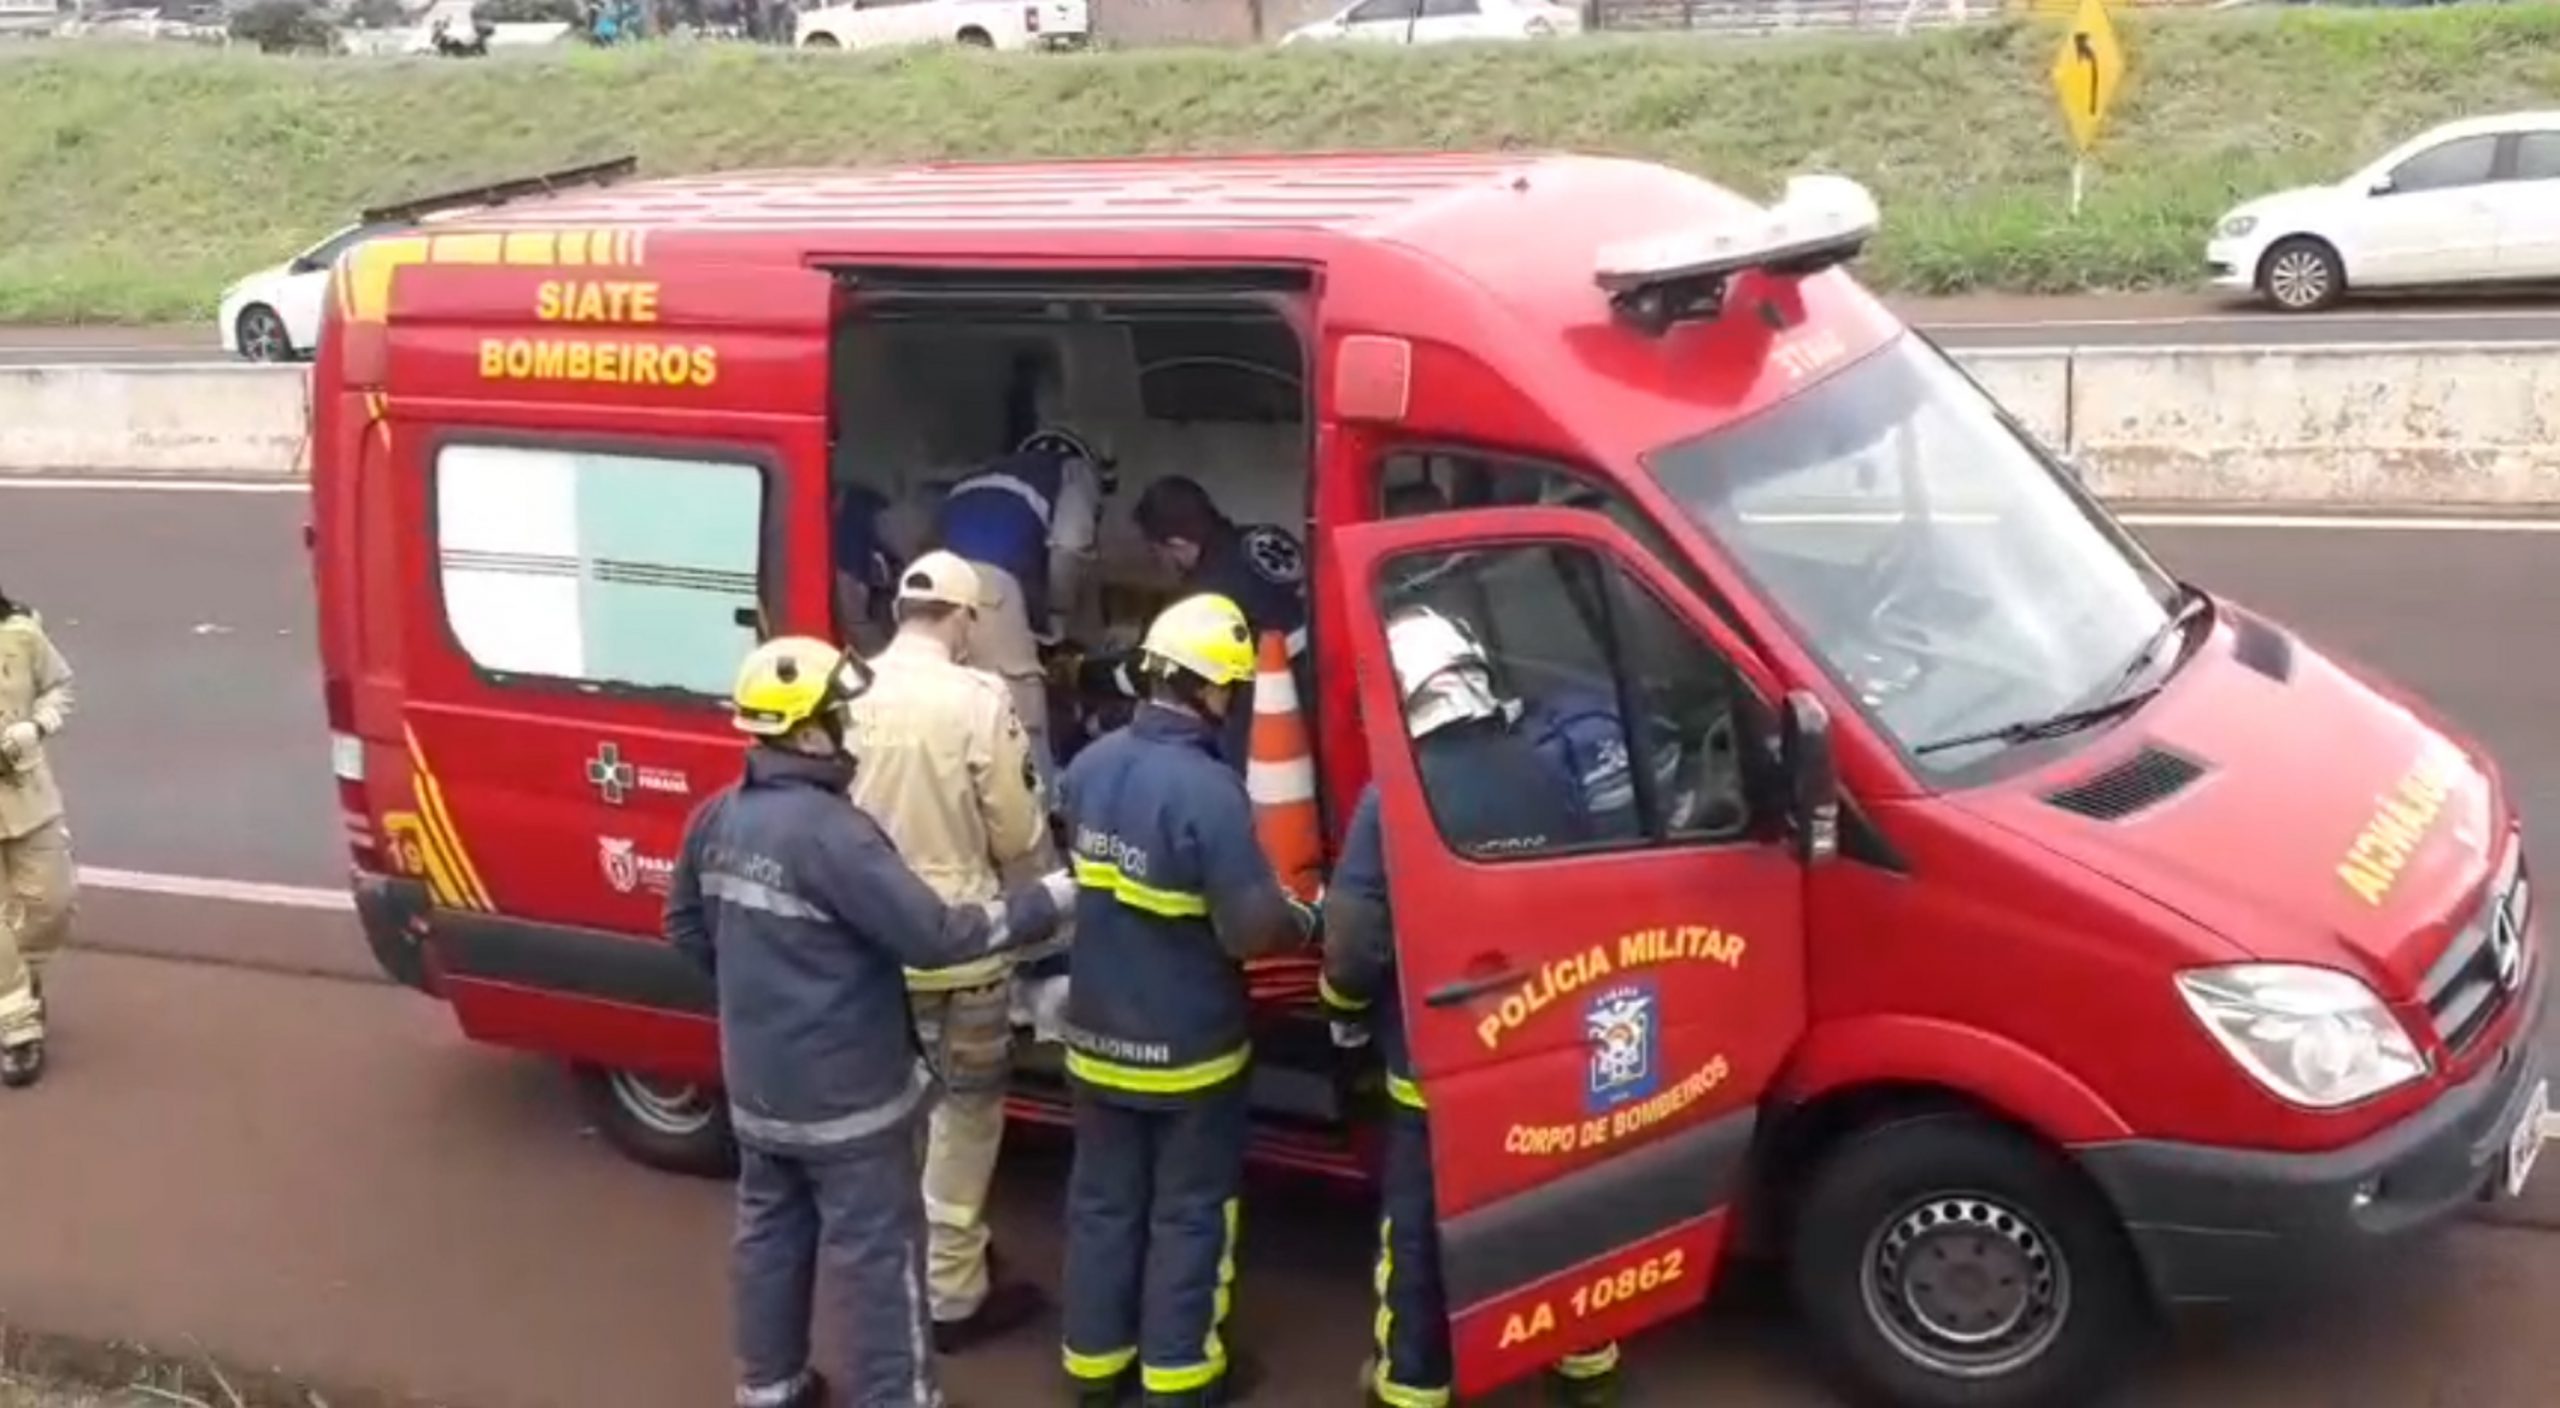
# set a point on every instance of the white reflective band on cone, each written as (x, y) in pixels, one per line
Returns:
(1275, 692)
(1279, 784)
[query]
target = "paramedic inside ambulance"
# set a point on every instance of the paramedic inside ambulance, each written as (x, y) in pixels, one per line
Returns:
(1028, 522)
(1493, 795)
(1259, 567)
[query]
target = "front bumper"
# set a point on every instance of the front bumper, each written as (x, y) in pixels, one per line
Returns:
(2232, 264)
(2220, 1226)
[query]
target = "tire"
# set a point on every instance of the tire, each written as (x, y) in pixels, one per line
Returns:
(976, 38)
(660, 1124)
(2301, 275)
(261, 336)
(2049, 1303)
(820, 41)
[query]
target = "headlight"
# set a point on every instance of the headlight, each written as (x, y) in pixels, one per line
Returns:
(2238, 225)
(2314, 1036)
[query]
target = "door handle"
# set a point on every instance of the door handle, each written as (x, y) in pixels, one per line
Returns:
(1468, 989)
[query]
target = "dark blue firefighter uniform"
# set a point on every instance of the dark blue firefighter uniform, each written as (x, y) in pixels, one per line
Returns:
(1492, 793)
(1173, 892)
(1001, 516)
(801, 910)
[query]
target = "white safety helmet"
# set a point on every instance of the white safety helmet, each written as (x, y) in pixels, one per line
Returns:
(1441, 672)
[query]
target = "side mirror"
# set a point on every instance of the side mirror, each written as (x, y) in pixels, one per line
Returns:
(1812, 777)
(2382, 186)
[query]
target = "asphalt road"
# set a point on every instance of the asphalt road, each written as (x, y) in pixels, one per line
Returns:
(2132, 320)
(316, 1171)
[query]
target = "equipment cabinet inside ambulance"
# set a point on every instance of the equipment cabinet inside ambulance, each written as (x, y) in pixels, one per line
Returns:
(2010, 938)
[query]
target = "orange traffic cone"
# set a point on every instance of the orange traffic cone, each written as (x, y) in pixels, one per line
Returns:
(1280, 775)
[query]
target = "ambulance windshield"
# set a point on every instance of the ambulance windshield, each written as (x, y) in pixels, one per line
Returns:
(1928, 552)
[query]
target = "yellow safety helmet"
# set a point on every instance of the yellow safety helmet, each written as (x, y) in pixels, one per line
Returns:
(788, 681)
(1205, 635)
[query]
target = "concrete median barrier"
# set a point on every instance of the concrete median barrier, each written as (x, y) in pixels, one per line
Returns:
(2310, 426)
(181, 419)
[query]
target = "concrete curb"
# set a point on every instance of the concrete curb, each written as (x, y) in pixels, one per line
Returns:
(2372, 425)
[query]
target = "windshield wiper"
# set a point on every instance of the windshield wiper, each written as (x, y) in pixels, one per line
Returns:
(2116, 702)
(2190, 604)
(2050, 726)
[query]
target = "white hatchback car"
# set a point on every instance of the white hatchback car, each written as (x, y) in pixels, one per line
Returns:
(273, 315)
(1440, 21)
(2471, 202)
(982, 24)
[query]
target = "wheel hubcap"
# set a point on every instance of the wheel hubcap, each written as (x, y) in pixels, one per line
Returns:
(1966, 1286)
(2298, 279)
(668, 1107)
(265, 339)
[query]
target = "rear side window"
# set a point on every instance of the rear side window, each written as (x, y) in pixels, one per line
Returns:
(2538, 156)
(600, 569)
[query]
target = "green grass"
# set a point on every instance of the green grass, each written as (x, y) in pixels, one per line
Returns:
(134, 184)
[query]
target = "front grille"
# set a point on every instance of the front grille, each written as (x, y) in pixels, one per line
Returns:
(2153, 775)
(2484, 967)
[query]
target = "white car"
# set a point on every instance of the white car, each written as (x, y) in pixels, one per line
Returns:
(2476, 201)
(982, 24)
(1440, 21)
(273, 315)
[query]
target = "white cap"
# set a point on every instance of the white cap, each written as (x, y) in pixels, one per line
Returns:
(942, 576)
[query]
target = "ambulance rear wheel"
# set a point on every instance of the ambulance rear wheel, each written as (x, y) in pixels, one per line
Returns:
(1944, 1262)
(664, 1124)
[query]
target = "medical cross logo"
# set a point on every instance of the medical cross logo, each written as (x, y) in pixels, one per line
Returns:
(610, 776)
(1621, 1025)
(615, 780)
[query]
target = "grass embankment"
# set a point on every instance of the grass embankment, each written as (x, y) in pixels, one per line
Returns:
(133, 185)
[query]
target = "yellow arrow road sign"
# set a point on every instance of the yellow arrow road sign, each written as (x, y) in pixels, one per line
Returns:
(2087, 70)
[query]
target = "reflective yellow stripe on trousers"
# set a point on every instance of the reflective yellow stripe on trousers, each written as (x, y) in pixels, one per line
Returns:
(1190, 1378)
(1391, 1393)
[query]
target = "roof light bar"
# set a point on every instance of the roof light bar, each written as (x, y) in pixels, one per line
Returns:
(1819, 222)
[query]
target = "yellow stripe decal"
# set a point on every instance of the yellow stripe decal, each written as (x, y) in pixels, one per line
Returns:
(413, 846)
(440, 821)
(532, 246)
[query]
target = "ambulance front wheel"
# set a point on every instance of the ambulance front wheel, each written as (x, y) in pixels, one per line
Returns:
(1942, 1261)
(665, 1124)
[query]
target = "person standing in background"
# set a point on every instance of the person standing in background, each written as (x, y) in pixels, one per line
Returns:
(947, 772)
(38, 885)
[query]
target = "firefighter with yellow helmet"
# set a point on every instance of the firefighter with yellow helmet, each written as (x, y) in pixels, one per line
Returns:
(796, 903)
(1173, 894)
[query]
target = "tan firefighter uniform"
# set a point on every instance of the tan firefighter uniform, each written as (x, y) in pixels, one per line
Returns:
(36, 877)
(945, 768)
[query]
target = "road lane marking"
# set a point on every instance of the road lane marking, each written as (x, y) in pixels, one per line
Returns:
(197, 887)
(157, 486)
(2321, 330)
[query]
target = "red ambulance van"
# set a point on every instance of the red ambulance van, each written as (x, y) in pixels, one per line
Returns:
(2014, 938)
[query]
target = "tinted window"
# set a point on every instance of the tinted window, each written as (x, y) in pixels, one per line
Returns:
(1636, 715)
(1446, 9)
(599, 568)
(2538, 156)
(2464, 162)
(1378, 11)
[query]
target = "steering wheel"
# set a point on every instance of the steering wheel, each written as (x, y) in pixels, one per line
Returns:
(1697, 774)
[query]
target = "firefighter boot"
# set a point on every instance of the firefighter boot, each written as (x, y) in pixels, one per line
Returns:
(1569, 1389)
(22, 1065)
